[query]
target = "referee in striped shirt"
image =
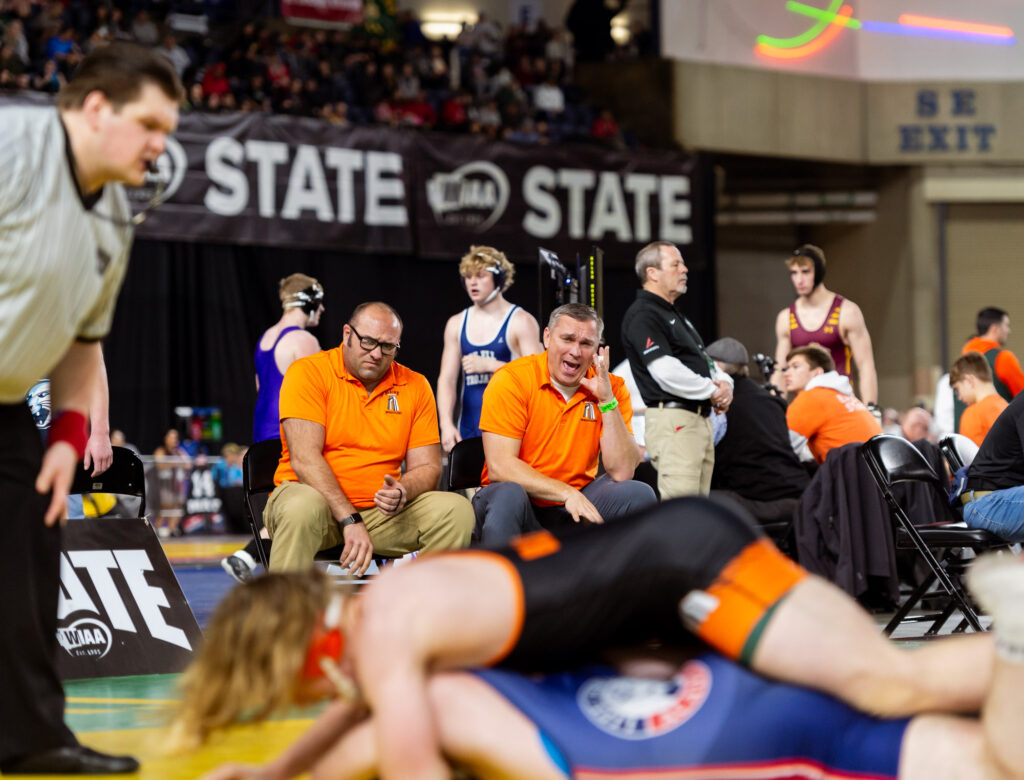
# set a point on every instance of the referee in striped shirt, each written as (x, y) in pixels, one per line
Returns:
(65, 235)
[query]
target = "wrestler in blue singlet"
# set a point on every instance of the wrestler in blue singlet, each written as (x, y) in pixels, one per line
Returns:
(473, 385)
(266, 422)
(714, 715)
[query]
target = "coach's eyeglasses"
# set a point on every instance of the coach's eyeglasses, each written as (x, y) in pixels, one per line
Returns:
(386, 347)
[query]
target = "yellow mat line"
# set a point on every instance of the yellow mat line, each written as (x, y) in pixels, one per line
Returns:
(108, 700)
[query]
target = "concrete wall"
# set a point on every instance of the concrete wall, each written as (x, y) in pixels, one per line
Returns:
(734, 109)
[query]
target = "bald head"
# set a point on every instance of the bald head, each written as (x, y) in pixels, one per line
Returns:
(916, 424)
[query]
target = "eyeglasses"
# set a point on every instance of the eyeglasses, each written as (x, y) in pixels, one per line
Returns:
(386, 348)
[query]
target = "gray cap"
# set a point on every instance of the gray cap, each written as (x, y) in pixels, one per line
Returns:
(728, 350)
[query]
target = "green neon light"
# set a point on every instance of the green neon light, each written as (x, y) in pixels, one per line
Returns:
(810, 35)
(817, 13)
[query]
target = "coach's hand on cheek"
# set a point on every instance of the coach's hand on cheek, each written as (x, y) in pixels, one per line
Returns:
(56, 475)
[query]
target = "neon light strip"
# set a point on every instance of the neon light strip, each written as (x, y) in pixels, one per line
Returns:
(953, 25)
(835, 27)
(924, 32)
(799, 40)
(818, 13)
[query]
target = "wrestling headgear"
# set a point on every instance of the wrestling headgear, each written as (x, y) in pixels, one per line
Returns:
(817, 257)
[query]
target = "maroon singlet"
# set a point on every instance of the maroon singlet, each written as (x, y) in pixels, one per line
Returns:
(827, 336)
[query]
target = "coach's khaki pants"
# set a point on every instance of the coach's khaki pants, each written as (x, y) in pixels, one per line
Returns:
(300, 523)
(681, 446)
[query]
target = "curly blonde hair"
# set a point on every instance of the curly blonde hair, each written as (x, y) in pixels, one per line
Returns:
(251, 657)
(480, 258)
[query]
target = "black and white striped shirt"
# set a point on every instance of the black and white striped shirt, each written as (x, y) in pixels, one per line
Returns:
(62, 256)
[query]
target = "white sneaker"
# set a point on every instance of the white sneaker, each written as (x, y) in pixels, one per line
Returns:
(996, 580)
(239, 565)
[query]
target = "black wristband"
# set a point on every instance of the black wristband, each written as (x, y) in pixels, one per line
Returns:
(352, 519)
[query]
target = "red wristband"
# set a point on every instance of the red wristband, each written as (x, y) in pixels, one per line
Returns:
(72, 427)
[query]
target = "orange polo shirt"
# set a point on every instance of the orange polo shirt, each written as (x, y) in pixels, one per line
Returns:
(828, 419)
(1007, 367)
(560, 439)
(978, 417)
(367, 436)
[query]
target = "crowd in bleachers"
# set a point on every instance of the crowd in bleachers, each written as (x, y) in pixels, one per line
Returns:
(501, 83)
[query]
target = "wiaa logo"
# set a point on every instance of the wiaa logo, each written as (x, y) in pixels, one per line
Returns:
(86, 638)
(170, 170)
(473, 196)
(631, 708)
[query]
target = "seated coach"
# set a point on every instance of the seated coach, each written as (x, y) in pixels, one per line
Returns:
(349, 417)
(545, 420)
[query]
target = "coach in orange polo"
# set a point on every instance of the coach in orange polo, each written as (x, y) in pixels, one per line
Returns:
(349, 417)
(545, 420)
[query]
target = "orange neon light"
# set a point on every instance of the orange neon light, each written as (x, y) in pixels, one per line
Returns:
(994, 30)
(819, 43)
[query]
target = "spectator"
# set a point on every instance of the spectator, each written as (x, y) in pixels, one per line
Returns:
(485, 119)
(11, 67)
(993, 332)
(407, 85)
(214, 82)
(278, 73)
(50, 80)
(549, 99)
(144, 29)
(178, 56)
(172, 462)
(545, 420)
(824, 414)
(118, 439)
(994, 498)
(61, 48)
(350, 416)
(487, 37)
(14, 36)
(558, 49)
(605, 129)
(678, 380)
(417, 112)
(754, 462)
(455, 113)
(971, 380)
(916, 424)
(434, 73)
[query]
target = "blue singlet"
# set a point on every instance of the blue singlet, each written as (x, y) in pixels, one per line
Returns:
(266, 422)
(473, 385)
(714, 715)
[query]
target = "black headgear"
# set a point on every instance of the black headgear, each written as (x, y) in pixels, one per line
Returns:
(308, 300)
(816, 258)
(499, 274)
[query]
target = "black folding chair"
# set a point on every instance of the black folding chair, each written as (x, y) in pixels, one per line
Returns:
(465, 464)
(892, 460)
(125, 477)
(957, 450)
(258, 467)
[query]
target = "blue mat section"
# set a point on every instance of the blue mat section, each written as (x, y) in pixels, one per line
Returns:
(203, 588)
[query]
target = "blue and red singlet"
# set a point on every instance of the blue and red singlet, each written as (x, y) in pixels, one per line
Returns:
(713, 719)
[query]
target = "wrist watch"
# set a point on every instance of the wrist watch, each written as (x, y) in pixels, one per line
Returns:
(352, 519)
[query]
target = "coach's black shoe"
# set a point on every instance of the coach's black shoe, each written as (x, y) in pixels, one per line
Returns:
(70, 760)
